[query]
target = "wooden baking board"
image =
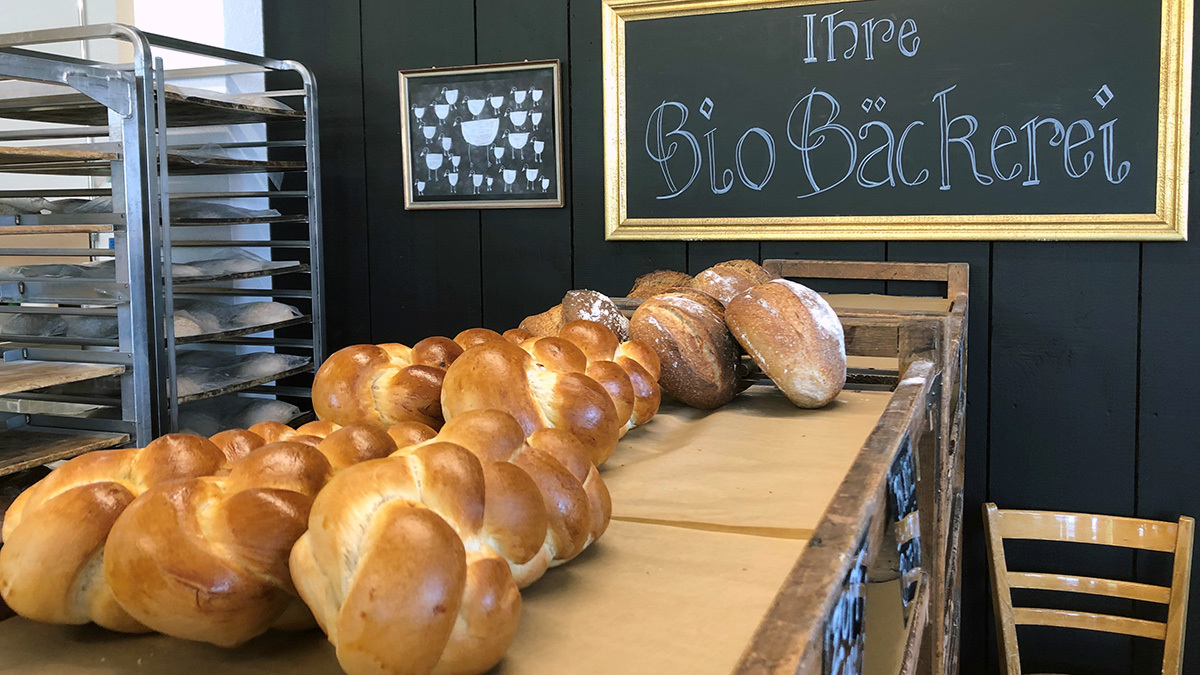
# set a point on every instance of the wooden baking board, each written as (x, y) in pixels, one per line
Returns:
(22, 449)
(76, 161)
(647, 598)
(18, 376)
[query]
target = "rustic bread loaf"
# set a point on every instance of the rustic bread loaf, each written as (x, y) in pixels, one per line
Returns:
(544, 324)
(727, 280)
(795, 337)
(686, 330)
(658, 281)
(584, 305)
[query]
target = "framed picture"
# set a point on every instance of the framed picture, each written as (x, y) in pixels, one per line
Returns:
(482, 136)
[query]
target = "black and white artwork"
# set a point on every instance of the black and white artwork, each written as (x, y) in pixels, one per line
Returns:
(482, 136)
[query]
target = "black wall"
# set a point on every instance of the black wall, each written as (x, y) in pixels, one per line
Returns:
(1080, 353)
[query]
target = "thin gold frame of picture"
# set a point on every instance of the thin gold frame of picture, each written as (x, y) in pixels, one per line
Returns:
(1167, 223)
(406, 149)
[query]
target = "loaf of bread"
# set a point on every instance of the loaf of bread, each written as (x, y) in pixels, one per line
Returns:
(795, 337)
(399, 567)
(628, 370)
(658, 281)
(445, 531)
(206, 559)
(574, 497)
(550, 390)
(586, 305)
(544, 324)
(727, 280)
(55, 532)
(187, 536)
(473, 337)
(699, 357)
(384, 384)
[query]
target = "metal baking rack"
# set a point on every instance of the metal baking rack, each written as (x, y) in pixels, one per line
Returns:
(140, 135)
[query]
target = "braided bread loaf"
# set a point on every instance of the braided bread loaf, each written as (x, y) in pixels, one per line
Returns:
(575, 498)
(384, 384)
(52, 561)
(545, 389)
(206, 559)
(400, 563)
(628, 371)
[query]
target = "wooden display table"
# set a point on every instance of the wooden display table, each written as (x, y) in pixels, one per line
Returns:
(742, 539)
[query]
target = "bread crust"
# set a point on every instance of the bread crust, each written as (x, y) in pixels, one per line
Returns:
(795, 337)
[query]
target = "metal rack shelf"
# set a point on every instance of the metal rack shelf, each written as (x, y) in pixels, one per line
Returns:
(157, 139)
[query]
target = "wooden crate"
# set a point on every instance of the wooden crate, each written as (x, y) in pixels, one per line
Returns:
(665, 590)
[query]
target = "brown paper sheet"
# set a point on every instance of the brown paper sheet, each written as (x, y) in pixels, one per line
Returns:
(758, 464)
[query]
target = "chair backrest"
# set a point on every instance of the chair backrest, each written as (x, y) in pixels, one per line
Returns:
(1135, 533)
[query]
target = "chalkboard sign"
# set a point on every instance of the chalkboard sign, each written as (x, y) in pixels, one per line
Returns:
(913, 119)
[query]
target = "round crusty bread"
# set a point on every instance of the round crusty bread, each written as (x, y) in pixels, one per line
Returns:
(658, 281)
(725, 281)
(584, 305)
(793, 334)
(544, 324)
(698, 356)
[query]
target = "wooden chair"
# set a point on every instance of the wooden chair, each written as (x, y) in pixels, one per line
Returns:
(1085, 528)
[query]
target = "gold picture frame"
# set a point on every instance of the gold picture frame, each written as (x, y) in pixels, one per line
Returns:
(483, 184)
(1167, 223)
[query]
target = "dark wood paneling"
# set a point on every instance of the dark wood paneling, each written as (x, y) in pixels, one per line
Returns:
(1169, 426)
(1063, 383)
(608, 267)
(526, 252)
(704, 254)
(425, 272)
(831, 250)
(333, 55)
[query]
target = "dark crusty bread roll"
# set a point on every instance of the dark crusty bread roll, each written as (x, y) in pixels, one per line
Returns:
(699, 357)
(793, 334)
(727, 280)
(658, 281)
(584, 305)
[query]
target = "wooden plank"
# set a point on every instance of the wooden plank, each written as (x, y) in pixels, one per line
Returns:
(1035, 616)
(326, 38)
(974, 625)
(1086, 528)
(885, 270)
(74, 161)
(789, 636)
(606, 266)
(526, 252)
(425, 270)
(18, 376)
(182, 111)
(832, 251)
(1181, 579)
(1063, 414)
(1090, 585)
(22, 449)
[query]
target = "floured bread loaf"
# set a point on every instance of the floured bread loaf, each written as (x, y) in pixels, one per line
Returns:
(699, 358)
(793, 334)
(587, 305)
(725, 281)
